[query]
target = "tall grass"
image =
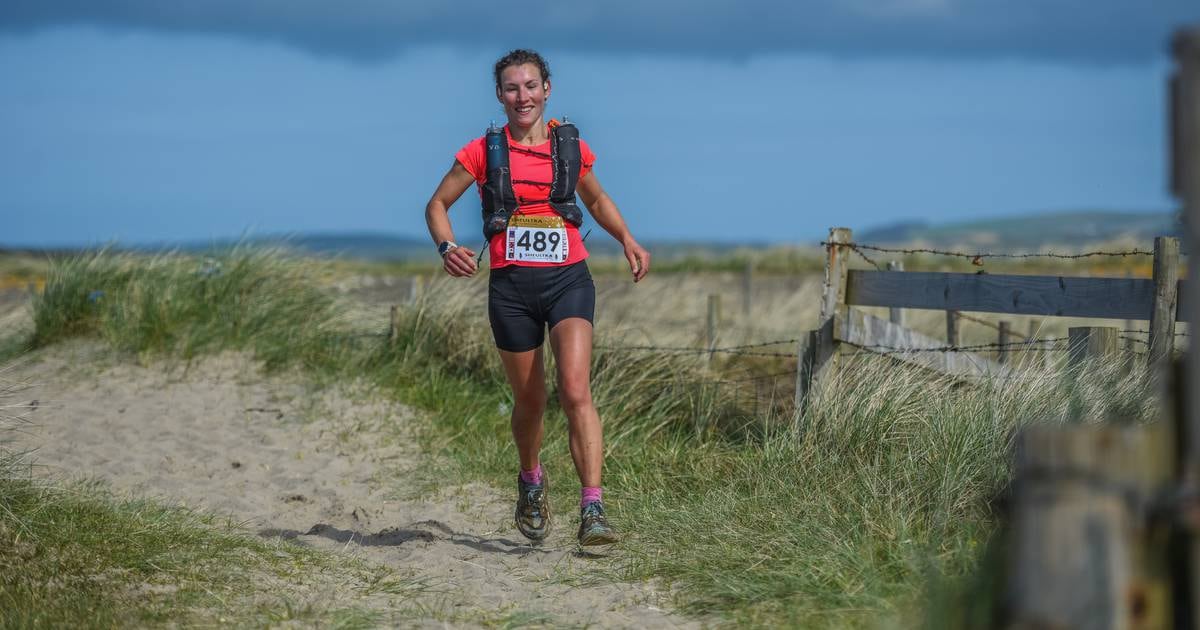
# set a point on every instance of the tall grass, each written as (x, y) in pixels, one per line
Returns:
(259, 300)
(831, 519)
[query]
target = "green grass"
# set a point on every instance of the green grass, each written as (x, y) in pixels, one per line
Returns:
(840, 518)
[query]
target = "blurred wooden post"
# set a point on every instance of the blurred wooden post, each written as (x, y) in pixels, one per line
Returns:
(1130, 339)
(1162, 318)
(1080, 555)
(1003, 339)
(1086, 343)
(952, 329)
(711, 322)
(747, 288)
(896, 315)
(415, 287)
(394, 324)
(818, 352)
(1185, 184)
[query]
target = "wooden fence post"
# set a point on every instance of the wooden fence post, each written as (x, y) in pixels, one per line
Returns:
(416, 286)
(952, 329)
(818, 353)
(1080, 555)
(1003, 338)
(712, 320)
(747, 288)
(896, 315)
(1185, 184)
(1085, 343)
(394, 324)
(1162, 317)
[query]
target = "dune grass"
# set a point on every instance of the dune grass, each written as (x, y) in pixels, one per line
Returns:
(838, 518)
(72, 555)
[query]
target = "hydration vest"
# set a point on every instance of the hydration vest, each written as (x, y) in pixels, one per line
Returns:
(499, 198)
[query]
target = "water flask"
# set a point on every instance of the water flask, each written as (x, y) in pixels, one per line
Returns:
(497, 157)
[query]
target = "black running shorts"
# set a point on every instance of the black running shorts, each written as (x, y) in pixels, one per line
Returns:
(523, 300)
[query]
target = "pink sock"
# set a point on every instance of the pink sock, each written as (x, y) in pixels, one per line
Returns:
(532, 476)
(589, 495)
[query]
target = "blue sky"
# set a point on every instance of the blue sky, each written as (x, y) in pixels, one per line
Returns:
(143, 122)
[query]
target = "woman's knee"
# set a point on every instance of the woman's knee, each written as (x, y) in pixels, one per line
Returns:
(574, 393)
(530, 399)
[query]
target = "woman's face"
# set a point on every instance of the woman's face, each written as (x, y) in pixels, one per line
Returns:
(523, 94)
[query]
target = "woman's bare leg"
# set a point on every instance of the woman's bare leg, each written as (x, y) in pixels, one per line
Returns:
(571, 340)
(527, 377)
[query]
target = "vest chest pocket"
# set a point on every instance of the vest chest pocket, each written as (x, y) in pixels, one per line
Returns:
(536, 239)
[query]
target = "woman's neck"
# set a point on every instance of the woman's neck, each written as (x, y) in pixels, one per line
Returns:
(532, 135)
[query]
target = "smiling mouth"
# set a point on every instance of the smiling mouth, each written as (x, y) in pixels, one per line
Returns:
(524, 110)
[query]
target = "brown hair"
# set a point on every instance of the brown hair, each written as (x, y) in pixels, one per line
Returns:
(518, 57)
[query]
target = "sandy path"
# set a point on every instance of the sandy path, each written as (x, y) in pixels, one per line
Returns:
(319, 468)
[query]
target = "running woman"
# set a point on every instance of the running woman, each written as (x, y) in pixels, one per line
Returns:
(538, 277)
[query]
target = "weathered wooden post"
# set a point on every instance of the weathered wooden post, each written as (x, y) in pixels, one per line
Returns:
(818, 353)
(952, 329)
(394, 324)
(1086, 343)
(1080, 555)
(1185, 184)
(712, 320)
(415, 286)
(747, 288)
(1162, 317)
(1003, 339)
(896, 315)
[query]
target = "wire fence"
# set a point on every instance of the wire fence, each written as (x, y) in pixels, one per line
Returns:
(740, 377)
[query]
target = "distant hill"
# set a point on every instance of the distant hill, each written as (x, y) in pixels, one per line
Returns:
(1062, 229)
(363, 245)
(1059, 230)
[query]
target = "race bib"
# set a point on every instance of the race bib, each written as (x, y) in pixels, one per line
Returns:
(536, 239)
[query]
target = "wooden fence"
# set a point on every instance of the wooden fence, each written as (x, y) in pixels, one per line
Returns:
(1153, 299)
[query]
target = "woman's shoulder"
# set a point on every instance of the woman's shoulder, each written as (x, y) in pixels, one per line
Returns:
(473, 157)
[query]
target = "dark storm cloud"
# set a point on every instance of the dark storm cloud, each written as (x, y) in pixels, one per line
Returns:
(1087, 31)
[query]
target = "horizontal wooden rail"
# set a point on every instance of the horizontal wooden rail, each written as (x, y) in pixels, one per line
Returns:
(1062, 296)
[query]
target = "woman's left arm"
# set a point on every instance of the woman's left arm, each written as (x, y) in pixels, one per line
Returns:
(609, 217)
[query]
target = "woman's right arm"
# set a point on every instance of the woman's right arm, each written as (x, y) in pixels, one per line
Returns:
(458, 262)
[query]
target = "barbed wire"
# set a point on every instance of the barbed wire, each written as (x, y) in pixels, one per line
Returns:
(1178, 333)
(992, 325)
(865, 257)
(1012, 346)
(762, 377)
(692, 350)
(976, 258)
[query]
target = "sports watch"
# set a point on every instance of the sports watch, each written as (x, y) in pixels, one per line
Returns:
(445, 246)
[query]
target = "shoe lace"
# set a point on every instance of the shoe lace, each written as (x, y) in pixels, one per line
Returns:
(533, 500)
(593, 511)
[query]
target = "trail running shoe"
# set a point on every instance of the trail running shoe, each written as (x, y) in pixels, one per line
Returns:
(533, 510)
(593, 526)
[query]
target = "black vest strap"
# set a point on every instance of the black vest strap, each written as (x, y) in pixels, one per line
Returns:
(499, 199)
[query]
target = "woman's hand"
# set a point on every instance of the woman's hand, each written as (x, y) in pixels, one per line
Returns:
(639, 259)
(459, 262)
